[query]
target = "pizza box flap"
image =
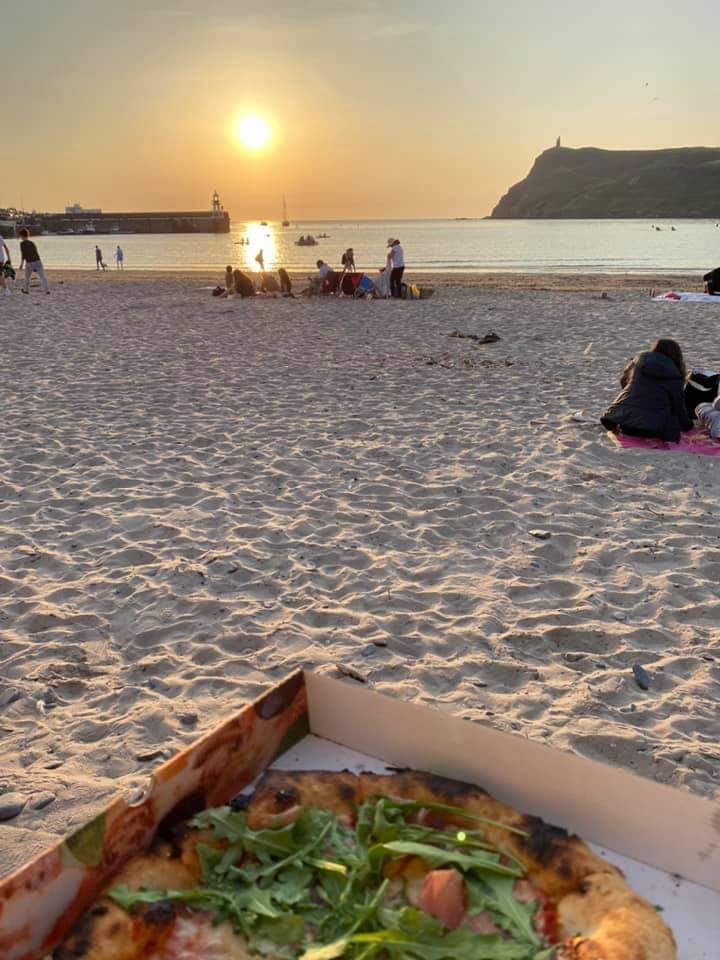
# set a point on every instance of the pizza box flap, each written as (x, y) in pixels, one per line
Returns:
(659, 825)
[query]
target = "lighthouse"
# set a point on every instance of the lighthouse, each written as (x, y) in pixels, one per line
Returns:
(217, 207)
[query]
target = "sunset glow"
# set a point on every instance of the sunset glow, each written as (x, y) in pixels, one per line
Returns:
(252, 132)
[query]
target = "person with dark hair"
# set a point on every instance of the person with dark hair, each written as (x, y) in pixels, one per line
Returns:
(242, 284)
(712, 282)
(30, 259)
(229, 280)
(285, 282)
(396, 259)
(652, 402)
(326, 281)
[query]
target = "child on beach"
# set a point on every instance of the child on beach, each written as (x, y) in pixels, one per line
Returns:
(30, 259)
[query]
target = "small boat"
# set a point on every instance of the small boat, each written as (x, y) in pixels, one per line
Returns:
(285, 221)
(263, 223)
(323, 236)
(308, 241)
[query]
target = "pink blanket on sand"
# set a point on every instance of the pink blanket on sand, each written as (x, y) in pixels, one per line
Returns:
(694, 441)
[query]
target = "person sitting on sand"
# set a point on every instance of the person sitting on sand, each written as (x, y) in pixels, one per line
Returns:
(229, 281)
(269, 284)
(325, 281)
(242, 284)
(652, 402)
(712, 282)
(285, 282)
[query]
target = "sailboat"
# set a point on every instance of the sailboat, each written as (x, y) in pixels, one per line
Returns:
(285, 221)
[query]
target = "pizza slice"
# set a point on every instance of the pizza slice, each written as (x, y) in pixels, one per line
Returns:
(321, 865)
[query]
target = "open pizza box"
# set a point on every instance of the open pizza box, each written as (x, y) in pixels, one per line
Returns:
(666, 841)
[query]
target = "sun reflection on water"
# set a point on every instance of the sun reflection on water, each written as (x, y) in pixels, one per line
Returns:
(262, 238)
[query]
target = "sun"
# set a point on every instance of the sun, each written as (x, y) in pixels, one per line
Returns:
(252, 131)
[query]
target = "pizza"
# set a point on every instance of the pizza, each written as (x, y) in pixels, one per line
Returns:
(319, 865)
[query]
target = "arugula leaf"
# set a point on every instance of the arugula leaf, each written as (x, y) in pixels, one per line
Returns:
(458, 945)
(495, 894)
(436, 857)
(412, 806)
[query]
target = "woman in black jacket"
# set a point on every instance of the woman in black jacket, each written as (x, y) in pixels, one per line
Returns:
(652, 403)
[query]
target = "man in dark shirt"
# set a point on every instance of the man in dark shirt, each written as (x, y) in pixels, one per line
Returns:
(30, 259)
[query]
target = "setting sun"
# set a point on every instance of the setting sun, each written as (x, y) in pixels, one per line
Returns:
(252, 131)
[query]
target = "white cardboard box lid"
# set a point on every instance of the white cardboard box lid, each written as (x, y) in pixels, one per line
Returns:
(676, 832)
(691, 911)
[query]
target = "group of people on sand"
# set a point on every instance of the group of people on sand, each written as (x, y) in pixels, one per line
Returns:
(239, 284)
(119, 257)
(325, 282)
(659, 396)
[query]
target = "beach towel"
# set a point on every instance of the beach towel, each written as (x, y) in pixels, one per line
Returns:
(683, 296)
(694, 441)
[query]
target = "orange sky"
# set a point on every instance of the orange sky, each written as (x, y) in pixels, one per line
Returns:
(409, 109)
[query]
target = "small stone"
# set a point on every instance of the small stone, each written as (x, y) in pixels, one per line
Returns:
(368, 650)
(573, 657)
(619, 615)
(642, 677)
(54, 764)
(541, 534)
(188, 719)
(150, 755)
(380, 643)
(39, 801)
(11, 804)
(8, 696)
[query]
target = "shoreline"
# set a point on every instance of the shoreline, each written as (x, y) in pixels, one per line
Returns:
(570, 282)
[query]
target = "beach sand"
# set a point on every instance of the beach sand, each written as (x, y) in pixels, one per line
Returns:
(199, 495)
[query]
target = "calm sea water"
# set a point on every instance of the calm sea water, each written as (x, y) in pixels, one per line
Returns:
(537, 246)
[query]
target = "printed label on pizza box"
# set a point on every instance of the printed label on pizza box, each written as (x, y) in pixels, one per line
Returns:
(467, 883)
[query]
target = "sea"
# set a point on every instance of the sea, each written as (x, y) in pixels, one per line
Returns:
(467, 246)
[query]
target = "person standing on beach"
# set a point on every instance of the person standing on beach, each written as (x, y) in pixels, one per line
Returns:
(397, 265)
(261, 260)
(98, 258)
(30, 259)
(119, 257)
(4, 262)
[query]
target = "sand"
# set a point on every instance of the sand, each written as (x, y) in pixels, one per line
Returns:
(198, 495)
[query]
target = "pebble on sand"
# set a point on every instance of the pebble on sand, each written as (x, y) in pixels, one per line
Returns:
(11, 804)
(642, 677)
